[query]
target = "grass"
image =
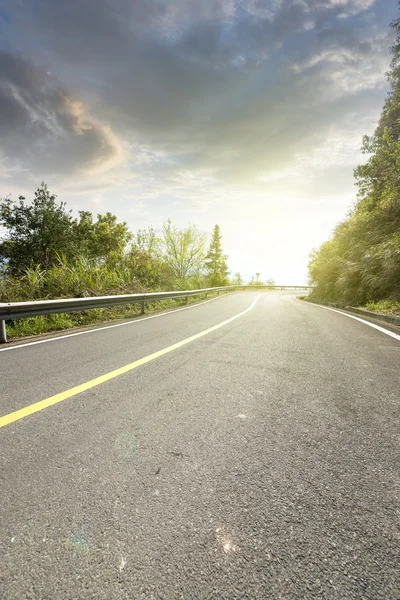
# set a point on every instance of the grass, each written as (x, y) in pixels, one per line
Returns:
(387, 307)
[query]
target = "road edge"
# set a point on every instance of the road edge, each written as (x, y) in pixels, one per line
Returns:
(390, 330)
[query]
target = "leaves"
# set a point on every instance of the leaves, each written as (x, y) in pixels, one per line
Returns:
(40, 232)
(361, 262)
(47, 253)
(184, 253)
(215, 261)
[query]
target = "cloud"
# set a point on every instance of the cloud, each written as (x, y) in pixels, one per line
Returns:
(225, 92)
(44, 128)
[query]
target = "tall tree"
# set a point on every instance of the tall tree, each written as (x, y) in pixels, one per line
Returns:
(35, 232)
(110, 238)
(145, 259)
(216, 266)
(102, 240)
(184, 252)
(39, 233)
(237, 279)
(361, 261)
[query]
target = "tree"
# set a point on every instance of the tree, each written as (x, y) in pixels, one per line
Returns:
(237, 279)
(215, 263)
(147, 241)
(361, 261)
(103, 240)
(255, 281)
(110, 238)
(183, 252)
(39, 233)
(35, 232)
(145, 259)
(270, 283)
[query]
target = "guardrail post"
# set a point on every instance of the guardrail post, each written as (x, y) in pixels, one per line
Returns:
(142, 307)
(186, 299)
(3, 333)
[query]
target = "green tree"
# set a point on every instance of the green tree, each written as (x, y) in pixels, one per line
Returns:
(183, 253)
(36, 232)
(110, 239)
(215, 263)
(148, 241)
(145, 259)
(361, 261)
(102, 240)
(237, 279)
(256, 280)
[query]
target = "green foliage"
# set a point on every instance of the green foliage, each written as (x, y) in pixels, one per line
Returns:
(145, 259)
(184, 253)
(384, 306)
(255, 280)
(46, 253)
(361, 261)
(104, 239)
(237, 279)
(37, 325)
(37, 234)
(35, 231)
(81, 279)
(215, 262)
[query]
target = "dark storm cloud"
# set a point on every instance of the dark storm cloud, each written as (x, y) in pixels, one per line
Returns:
(42, 126)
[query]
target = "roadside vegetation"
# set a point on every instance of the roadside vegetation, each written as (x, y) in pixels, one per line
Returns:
(384, 307)
(360, 264)
(46, 252)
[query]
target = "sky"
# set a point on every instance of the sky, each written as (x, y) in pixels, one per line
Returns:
(245, 113)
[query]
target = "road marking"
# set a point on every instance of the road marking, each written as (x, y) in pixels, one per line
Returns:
(386, 331)
(137, 320)
(83, 387)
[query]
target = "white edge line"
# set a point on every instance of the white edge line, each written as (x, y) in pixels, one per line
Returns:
(386, 331)
(133, 322)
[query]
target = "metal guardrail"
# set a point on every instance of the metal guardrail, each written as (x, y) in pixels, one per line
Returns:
(36, 308)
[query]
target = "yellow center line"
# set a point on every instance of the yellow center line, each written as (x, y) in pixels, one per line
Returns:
(83, 387)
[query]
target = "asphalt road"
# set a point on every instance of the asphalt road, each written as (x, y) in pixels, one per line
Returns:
(259, 461)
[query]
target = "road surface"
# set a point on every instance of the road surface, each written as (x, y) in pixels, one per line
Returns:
(259, 460)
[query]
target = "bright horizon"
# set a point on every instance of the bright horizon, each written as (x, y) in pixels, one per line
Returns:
(243, 113)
